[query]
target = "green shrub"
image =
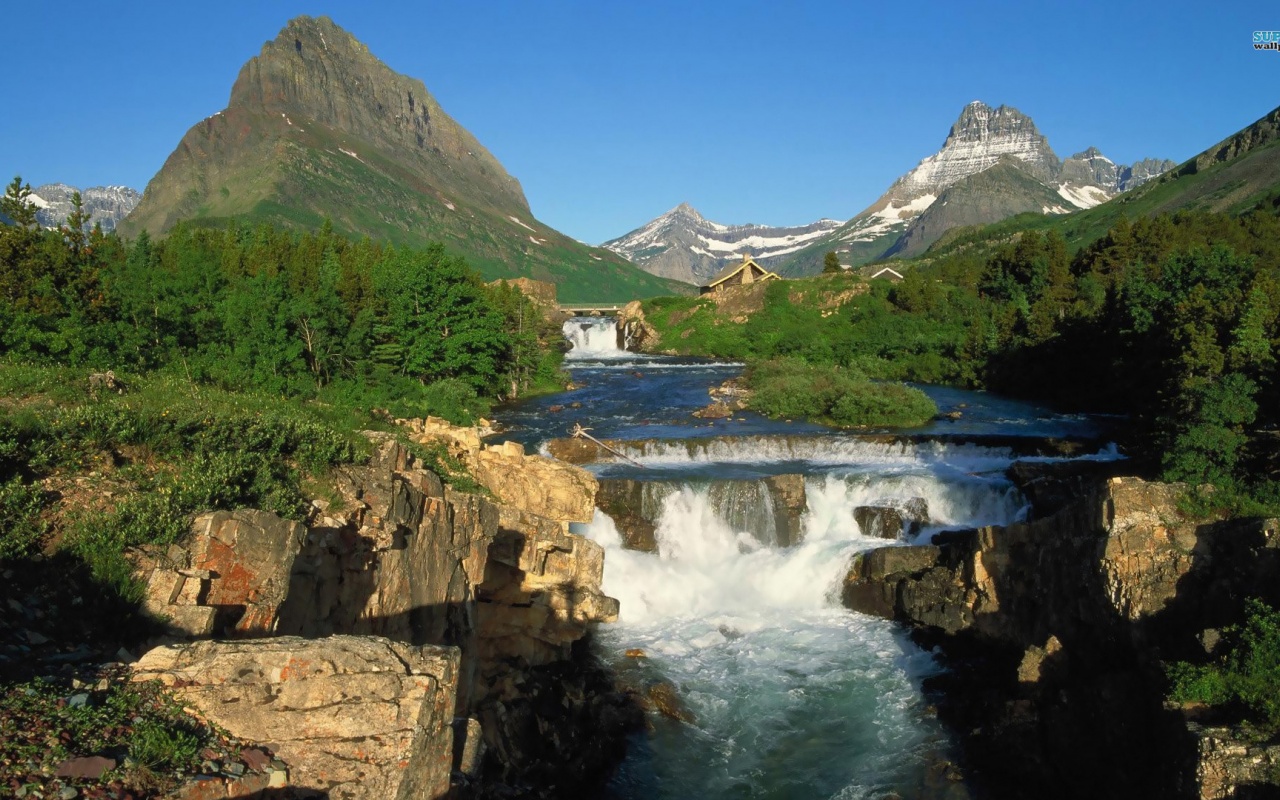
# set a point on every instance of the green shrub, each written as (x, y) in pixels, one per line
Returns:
(20, 525)
(1248, 674)
(163, 747)
(793, 389)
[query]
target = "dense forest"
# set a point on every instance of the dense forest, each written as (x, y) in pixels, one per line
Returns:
(311, 315)
(1172, 320)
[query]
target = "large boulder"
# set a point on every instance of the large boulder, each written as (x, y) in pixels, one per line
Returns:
(354, 717)
(637, 333)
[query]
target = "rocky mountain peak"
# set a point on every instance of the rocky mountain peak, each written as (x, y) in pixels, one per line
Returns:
(314, 72)
(684, 210)
(980, 122)
(976, 141)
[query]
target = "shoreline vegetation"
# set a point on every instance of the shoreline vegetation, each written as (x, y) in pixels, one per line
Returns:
(832, 395)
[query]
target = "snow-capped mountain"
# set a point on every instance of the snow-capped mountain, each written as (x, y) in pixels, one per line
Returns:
(684, 245)
(981, 138)
(106, 205)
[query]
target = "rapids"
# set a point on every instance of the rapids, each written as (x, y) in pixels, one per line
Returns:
(792, 696)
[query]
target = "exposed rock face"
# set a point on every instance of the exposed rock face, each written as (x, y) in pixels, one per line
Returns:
(1231, 764)
(360, 718)
(107, 205)
(683, 245)
(998, 192)
(977, 140)
(232, 577)
(535, 484)
(1057, 629)
(404, 557)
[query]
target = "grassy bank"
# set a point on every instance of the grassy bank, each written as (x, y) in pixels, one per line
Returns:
(793, 389)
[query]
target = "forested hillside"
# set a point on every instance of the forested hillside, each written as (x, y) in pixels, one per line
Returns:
(311, 315)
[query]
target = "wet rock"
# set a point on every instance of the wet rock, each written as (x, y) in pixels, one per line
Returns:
(555, 409)
(880, 522)
(790, 502)
(663, 697)
(1050, 486)
(623, 501)
(576, 450)
(716, 410)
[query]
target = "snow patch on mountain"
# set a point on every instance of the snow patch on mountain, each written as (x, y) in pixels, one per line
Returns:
(1083, 196)
(684, 245)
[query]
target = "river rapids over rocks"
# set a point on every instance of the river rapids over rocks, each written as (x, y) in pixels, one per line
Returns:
(784, 693)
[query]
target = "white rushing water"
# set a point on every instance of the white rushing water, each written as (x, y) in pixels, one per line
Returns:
(793, 695)
(592, 337)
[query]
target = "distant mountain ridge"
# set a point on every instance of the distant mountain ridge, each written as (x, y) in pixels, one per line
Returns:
(107, 205)
(685, 246)
(940, 193)
(317, 127)
(1233, 176)
(980, 139)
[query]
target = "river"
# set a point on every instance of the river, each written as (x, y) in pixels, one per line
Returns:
(792, 696)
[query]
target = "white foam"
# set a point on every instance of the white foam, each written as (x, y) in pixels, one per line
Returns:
(592, 337)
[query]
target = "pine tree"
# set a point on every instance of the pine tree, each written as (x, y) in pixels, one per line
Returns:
(830, 263)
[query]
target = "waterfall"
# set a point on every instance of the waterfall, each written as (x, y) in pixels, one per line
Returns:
(592, 337)
(758, 645)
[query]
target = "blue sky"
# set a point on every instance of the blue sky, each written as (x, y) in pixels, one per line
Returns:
(610, 113)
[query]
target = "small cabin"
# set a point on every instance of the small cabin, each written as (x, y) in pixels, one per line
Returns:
(739, 275)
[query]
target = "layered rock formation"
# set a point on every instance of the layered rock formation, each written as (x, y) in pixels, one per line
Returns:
(500, 585)
(1057, 628)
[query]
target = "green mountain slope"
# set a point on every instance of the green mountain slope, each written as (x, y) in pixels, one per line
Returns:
(318, 127)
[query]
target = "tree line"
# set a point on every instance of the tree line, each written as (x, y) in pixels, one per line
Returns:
(297, 314)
